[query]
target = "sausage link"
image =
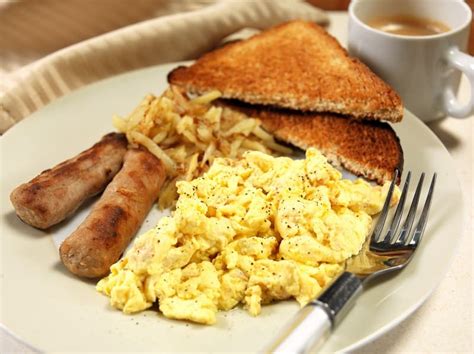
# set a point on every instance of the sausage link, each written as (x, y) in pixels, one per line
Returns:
(57, 193)
(103, 236)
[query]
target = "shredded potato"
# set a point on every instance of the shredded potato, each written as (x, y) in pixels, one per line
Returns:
(188, 134)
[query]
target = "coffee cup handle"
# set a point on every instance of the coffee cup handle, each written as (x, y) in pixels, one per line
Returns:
(465, 63)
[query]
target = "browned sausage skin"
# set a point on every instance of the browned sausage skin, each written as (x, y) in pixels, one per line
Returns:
(56, 193)
(103, 236)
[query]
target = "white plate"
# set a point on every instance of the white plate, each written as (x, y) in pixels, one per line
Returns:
(54, 311)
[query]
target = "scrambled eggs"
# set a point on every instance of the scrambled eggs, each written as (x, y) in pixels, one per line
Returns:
(248, 231)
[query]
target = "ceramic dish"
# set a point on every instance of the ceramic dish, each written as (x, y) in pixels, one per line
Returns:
(51, 310)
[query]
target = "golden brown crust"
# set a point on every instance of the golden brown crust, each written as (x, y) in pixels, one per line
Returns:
(56, 193)
(296, 65)
(366, 148)
(103, 236)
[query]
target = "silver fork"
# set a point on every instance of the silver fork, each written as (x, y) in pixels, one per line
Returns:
(381, 253)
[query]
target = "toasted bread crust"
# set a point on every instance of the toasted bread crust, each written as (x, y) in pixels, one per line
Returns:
(366, 148)
(296, 65)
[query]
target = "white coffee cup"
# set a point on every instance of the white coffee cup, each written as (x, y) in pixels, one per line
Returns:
(424, 70)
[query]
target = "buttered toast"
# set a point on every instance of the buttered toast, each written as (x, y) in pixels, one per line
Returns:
(296, 65)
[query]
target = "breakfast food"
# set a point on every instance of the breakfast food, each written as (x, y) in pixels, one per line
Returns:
(249, 231)
(249, 228)
(296, 65)
(103, 236)
(298, 81)
(57, 192)
(187, 135)
(366, 148)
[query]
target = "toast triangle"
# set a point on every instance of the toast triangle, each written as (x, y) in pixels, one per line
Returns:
(296, 65)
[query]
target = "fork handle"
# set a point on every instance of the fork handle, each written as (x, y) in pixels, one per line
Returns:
(339, 298)
(307, 331)
(312, 324)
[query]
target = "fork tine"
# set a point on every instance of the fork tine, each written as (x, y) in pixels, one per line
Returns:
(383, 214)
(420, 226)
(406, 228)
(392, 231)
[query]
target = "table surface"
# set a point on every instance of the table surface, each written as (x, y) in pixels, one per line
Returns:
(444, 322)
